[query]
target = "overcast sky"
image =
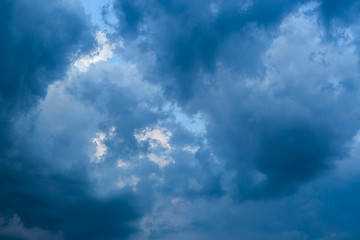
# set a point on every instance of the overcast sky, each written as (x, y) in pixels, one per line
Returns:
(179, 120)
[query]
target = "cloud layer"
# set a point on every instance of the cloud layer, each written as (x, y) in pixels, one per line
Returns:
(179, 119)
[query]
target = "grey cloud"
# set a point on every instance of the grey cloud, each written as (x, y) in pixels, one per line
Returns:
(43, 179)
(277, 96)
(275, 128)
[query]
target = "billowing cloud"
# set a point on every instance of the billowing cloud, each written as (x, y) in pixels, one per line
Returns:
(179, 119)
(257, 70)
(45, 193)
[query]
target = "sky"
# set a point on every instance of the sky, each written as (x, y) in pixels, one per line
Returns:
(179, 119)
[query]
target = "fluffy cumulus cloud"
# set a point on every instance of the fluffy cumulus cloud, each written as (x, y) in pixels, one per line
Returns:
(177, 119)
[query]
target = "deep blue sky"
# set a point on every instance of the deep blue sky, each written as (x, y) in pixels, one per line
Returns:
(178, 119)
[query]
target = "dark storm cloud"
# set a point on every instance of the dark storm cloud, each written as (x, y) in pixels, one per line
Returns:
(130, 17)
(278, 100)
(63, 204)
(190, 38)
(39, 40)
(122, 105)
(36, 47)
(347, 10)
(206, 55)
(127, 106)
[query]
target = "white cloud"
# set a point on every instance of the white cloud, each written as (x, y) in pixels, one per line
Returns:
(192, 149)
(161, 160)
(159, 141)
(101, 148)
(156, 136)
(122, 164)
(131, 182)
(104, 52)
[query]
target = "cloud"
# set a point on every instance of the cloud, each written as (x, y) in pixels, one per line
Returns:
(13, 228)
(63, 205)
(271, 86)
(156, 136)
(101, 148)
(179, 120)
(102, 53)
(43, 180)
(188, 39)
(34, 57)
(339, 10)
